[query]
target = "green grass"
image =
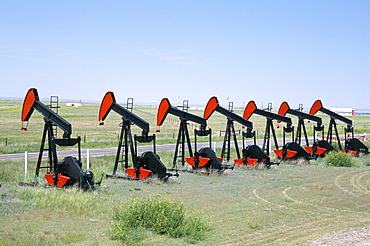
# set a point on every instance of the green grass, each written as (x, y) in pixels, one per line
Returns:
(162, 216)
(339, 159)
(288, 204)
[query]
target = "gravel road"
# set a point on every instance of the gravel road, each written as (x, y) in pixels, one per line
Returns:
(351, 237)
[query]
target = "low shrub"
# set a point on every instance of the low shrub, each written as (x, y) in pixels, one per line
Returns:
(160, 216)
(192, 228)
(339, 159)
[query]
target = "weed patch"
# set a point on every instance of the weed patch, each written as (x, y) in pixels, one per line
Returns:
(161, 216)
(366, 160)
(339, 159)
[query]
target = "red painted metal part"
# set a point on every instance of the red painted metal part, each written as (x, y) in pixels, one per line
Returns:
(278, 152)
(309, 149)
(28, 103)
(249, 109)
(319, 150)
(211, 107)
(284, 107)
(163, 108)
(62, 180)
(239, 162)
(350, 152)
(250, 162)
(290, 153)
(143, 173)
(202, 161)
(316, 106)
(106, 105)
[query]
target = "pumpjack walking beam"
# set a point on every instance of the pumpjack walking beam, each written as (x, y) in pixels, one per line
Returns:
(125, 140)
(212, 106)
(251, 108)
(164, 109)
(72, 166)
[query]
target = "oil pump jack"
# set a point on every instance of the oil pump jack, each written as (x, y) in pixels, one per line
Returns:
(212, 106)
(352, 145)
(301, 128)
(146, 164)
(205, 157)
(59, 174)
(250, 109)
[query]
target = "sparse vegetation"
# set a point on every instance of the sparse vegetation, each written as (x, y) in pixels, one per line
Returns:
(339, 159)
(161, 216)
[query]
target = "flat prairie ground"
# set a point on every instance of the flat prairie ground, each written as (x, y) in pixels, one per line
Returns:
(289, 204)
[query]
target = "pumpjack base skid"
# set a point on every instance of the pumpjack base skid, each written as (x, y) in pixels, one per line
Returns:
(206, 171)
(120, 177)
(34, 184)
(139, 179)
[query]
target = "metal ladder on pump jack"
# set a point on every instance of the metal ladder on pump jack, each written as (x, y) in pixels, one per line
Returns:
(251, 108)
(130, 104)
(124, 139)
(181, 150)
(54, 105)
(230, 131)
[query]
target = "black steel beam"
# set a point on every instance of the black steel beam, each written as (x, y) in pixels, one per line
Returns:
(303, 115)
(54, 117)
(187, 116)
(127, 115)
(235, 117)
(336, 116)
(273, 116)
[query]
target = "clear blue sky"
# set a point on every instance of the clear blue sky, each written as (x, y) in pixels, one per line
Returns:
(268, 51)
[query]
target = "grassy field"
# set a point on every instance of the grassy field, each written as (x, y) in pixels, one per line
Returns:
(289, 204)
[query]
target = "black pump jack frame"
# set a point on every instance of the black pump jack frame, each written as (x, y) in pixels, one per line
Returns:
(182, 138)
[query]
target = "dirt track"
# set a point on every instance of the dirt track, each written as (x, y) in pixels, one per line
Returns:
(353, 236)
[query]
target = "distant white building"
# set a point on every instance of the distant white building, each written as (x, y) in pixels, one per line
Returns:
(197, 108)
(75, 104)
(343, 111)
